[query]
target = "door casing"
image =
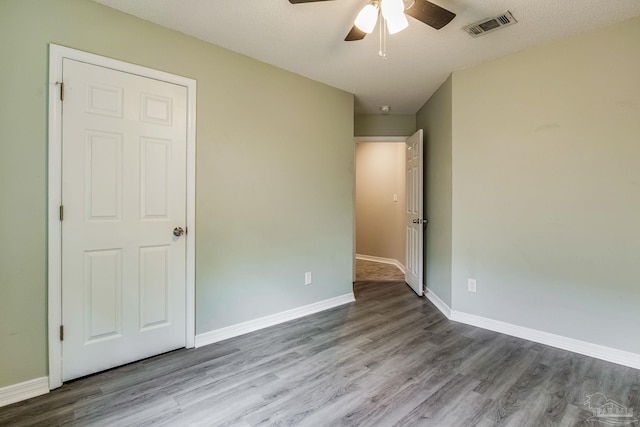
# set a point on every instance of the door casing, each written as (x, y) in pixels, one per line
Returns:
(358, 140)
(54, 246)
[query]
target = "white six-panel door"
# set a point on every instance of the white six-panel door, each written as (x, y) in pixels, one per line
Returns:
(124, 193)
(413, 215)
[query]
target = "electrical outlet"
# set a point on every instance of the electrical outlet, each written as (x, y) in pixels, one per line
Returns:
(471, 284)
(307, 278)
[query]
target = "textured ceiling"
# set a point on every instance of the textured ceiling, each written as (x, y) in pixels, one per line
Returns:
(307, 39)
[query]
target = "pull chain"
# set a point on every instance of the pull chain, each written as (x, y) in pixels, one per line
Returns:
(383, 38)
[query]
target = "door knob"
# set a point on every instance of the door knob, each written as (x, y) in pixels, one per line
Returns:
(178, 231)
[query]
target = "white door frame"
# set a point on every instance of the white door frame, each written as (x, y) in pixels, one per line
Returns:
(358, 140)
(54, 247)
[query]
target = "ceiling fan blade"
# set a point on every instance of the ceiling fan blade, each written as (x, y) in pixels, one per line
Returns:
(304, 1)
(355, 34)
(429, 13)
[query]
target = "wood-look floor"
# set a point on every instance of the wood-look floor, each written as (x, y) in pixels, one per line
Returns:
(377, 271)
(388, 359)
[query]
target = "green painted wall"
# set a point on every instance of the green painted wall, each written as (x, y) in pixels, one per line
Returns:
(384, 125)
(546, 188)
(436, 120)
(274, 173)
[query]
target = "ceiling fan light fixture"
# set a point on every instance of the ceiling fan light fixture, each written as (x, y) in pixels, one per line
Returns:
(397, 23)
(392, 8)
(367, 18)
(393, 13)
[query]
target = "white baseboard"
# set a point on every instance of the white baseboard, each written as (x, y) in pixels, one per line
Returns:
(274, 319)
(597, 351)
(381, 260)
(609, 354)
(23, 391)
(440, 305)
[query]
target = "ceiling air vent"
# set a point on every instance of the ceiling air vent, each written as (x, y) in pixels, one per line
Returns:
(488, 25)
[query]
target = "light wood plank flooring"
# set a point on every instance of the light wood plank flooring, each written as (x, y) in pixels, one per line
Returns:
(388, 359)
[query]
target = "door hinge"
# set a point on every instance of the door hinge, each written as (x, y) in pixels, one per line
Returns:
(61, 91)
(186, 230)
(61, 212)
(61, 333)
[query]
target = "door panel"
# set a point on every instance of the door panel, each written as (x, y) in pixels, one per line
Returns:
(155, 177)
(123, 191)
(154, 287)
(413, 214)
(103, 172)
(103, 295)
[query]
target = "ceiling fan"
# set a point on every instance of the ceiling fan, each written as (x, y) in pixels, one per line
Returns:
(394, 14)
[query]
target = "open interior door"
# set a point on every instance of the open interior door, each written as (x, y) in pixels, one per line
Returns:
(413, 216)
